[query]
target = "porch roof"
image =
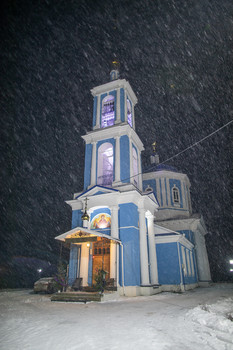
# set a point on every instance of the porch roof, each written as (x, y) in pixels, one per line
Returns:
(86, 232)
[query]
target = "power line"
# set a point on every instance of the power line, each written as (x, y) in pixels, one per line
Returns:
(177, 154)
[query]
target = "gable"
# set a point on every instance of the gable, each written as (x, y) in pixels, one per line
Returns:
(95, 191)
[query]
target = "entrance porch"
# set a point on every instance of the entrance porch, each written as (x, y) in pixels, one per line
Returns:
(92, 254)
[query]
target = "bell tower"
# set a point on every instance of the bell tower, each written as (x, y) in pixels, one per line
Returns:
(113, 148)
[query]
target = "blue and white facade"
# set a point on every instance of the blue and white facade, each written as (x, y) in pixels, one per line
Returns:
(129, 233)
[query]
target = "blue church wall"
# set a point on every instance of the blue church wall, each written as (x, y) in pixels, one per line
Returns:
(74, 263)
(99, 143)
(131, 264)
(124, 158)
(151, 183)
(76, 218)
(129, 236)
(101, 101)
(122, 103)
(87, 169)
(94, 111)
(113, 93)
(188, 279)
(168, 263)
(177, 183)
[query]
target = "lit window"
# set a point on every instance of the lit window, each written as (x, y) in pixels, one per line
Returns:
(105, 164)
(175, 195)
(129, 113)
(135, 167)
(107, 111)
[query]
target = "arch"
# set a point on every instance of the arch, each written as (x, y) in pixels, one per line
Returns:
(129, 112)
(105, 164)
(108, 111)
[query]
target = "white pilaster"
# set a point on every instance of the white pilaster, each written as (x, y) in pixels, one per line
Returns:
(152, 249)
(113, 249)
(98, 113)
(168, 191)
(93, 165)
(183, 195)
(114, 221)
(143, 248)
(84, 263)
(118, 107)
(139, 171)
(117, 160)
(133, 119)
(131, 160)
(125, 116)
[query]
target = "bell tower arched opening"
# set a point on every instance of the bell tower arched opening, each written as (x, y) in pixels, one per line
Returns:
(105, 164)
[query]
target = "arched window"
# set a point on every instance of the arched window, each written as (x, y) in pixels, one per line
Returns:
(107, 117)
(135, 167)
(129, 113)
(175, 195)
(105, 164)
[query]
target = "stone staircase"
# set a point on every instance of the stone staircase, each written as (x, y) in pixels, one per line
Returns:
(82, 297)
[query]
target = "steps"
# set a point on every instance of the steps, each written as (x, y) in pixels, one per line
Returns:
(81, 297)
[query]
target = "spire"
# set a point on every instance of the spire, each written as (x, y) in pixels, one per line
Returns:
(114, 74)
(154, 158)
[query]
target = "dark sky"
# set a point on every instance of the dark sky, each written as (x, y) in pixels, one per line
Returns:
(177, 56)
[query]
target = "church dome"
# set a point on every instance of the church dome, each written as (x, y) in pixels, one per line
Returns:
(161, 167)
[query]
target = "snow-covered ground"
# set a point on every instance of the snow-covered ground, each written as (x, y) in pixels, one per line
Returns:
(199, 319)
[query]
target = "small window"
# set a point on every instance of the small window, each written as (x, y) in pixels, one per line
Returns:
(108, 115)
(100, 251)
(176, 195)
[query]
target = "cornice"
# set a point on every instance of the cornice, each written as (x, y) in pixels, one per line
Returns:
(115, 84)
(114, 131)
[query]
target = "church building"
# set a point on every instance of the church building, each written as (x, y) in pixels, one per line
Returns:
(136, 227)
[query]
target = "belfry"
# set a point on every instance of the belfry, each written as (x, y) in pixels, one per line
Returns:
(121, 220)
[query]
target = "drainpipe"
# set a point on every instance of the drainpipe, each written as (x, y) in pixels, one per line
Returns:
(122, 267)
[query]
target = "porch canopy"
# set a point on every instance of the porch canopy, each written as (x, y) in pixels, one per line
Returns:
(81, 234)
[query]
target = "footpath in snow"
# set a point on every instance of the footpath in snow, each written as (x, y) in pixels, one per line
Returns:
(200, 319)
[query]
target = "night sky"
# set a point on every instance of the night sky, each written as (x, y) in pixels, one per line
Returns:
(177, 56)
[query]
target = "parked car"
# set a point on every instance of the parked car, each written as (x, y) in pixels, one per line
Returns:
(45, 285)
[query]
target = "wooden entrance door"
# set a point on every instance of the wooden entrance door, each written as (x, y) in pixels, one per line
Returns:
(101, 257)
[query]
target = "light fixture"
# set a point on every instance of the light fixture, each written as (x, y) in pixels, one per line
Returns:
(88, 244)
(85, 216)
(231, 262)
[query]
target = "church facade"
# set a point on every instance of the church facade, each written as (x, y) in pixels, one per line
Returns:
(136, 227)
